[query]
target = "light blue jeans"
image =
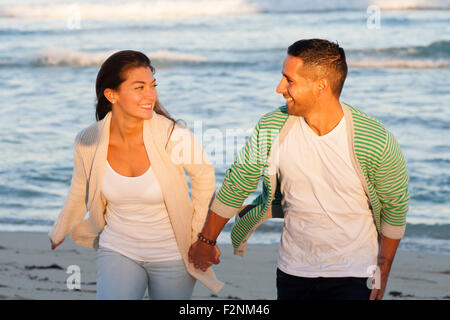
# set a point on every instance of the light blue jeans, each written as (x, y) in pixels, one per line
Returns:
(122, 278)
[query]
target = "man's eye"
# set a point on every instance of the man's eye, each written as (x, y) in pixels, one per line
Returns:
(141, 87)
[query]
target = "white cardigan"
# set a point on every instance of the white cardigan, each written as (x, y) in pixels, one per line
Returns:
(186, 216)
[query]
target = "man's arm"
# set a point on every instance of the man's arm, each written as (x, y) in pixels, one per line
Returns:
(391, 182)
(213, 225)
(203, 255)
(391, 185)
(240, 181)
(388, 248)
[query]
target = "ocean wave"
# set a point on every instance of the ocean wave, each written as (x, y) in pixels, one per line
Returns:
(389, 63)
(435, 122)
(25, 222)
(72, 58)
(176, 9)
(167, 59)
(433, 56)
(436, 55)
(129, 10)
(433, 231)
(436, 49)
(419, 230)
(337, 5)
(22, 192)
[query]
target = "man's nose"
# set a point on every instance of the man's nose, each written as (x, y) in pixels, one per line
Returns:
(281, 89)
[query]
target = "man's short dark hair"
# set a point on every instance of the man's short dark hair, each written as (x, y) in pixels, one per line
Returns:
(324, 59)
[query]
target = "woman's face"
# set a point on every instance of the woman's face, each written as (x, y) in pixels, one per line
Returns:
(136, 96)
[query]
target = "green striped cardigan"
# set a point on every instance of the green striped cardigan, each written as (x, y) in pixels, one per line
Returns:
(375, 154)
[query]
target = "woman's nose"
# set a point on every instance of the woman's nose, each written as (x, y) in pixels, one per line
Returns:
(151, 94)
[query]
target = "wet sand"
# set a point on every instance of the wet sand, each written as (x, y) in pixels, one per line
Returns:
(29, 269)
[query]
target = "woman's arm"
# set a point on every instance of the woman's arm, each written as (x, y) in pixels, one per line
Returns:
(74, 208)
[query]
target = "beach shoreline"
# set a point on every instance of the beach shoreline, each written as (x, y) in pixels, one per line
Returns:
(31, 270)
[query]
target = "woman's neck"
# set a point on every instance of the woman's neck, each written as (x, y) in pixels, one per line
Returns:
(127, 130)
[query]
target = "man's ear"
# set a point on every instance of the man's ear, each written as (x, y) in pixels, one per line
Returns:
(322, 85)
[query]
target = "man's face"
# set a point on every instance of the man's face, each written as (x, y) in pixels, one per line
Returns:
(296, 87)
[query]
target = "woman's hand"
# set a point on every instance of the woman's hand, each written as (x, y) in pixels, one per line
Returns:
(54, 245)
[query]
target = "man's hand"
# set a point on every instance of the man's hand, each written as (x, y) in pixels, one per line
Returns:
(388, 248)
(203, 255)
(385, 268)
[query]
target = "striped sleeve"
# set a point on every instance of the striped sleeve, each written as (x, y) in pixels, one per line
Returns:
(391, 186)
(241, 179)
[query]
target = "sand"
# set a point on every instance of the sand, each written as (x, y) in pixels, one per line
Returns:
(29, 269)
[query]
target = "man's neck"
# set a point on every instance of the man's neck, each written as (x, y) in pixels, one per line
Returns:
(325, 117)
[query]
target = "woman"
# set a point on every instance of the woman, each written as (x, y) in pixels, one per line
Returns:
(129, 173)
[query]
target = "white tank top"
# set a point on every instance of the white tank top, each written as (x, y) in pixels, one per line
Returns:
(329, 229)
(137, 222)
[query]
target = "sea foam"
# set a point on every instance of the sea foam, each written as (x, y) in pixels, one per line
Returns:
(130, 9)
(72, 58)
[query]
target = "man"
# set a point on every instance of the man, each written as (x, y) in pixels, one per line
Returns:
(338, 174)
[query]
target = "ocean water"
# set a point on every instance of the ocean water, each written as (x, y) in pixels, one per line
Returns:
(218, 64)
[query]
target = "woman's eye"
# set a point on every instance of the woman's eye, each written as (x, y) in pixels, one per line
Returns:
(141, 87)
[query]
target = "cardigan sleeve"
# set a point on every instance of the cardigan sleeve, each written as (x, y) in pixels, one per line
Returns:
(242, 178)
(391, 186)
(74, 208)
(189, 153)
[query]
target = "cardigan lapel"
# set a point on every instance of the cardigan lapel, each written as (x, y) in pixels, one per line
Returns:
(351, 137)
(99, 161)
(179, 207)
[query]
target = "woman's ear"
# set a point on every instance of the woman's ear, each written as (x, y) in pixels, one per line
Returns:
(110, 95)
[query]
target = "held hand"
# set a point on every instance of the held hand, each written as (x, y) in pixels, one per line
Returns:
(203, 255)
(54, 245)
(388, 248)
(218, 253)
(377, 294)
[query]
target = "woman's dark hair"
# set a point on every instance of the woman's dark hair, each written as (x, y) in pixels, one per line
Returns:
(112, 74)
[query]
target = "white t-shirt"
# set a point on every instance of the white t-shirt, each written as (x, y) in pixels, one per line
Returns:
(328, 227)
(137, 222)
